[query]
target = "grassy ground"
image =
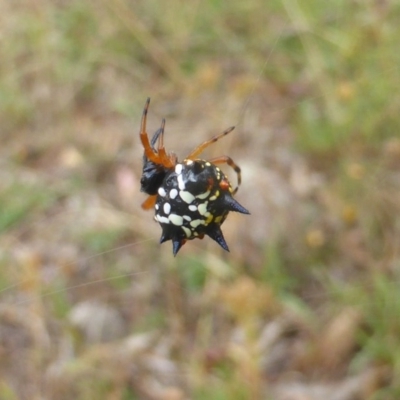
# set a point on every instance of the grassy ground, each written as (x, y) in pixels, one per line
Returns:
(305, 306)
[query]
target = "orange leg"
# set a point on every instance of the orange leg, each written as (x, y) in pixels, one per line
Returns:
(161, 156)
(149, 202)
(148, 151)
(199, 149)
(232, 164)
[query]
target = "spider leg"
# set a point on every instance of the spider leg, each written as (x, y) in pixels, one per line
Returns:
(148, 150)
(233, 165)
(158, 156)
(199, 149)
(155, 137)
(166, 160)
(149, 202)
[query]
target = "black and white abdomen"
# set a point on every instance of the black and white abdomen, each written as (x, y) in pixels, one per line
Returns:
(194, 200)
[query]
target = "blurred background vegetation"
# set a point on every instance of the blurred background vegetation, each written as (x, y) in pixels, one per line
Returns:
(307, 303)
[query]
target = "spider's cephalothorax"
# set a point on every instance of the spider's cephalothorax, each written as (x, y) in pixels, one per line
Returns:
(191, 198)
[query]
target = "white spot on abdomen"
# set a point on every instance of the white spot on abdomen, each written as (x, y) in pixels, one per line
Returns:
(161, 219)
(203, 195)
(167, 208)
(196, 223)
(187, 197)
(173, 193)
(181, 184)
(176, 219)
(178, 168)
(162, 192)
(202, 208)
(187, 231)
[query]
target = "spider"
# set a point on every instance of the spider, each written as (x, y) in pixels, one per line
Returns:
(191, 198)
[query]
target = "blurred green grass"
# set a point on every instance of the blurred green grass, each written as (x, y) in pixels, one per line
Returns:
(307, 81)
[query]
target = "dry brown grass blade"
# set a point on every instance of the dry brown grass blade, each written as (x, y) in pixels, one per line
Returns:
(156, 51)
